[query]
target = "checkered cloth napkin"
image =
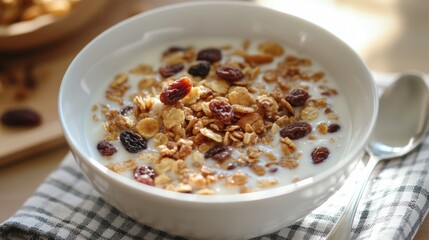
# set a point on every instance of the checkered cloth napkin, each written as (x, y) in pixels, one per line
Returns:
(65, 206)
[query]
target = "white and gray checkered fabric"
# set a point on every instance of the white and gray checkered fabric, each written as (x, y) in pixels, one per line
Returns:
(65, 206)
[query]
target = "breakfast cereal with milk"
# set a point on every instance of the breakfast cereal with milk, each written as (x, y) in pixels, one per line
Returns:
(219, 116)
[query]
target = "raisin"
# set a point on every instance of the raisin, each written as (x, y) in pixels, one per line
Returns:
(132, 141)
(297, 97)
(145, 174)
(273, 169)
(319, 154)
(219, 152)
(22, 117)
(296, 130)
(231, 166)
(210, 54)
(126, 110)
(221, 110)
(175, 91)
(333, 127)
(328, 110)
(231, 74)
(106, 149)
(170, 70)
(201, 69)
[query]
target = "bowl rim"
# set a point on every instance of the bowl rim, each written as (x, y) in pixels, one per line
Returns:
(351, 156)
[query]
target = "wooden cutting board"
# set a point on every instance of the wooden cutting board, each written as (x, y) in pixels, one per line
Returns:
(16, 143)
(49, 65)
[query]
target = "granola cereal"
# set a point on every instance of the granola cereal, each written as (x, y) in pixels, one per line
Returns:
(235, 116)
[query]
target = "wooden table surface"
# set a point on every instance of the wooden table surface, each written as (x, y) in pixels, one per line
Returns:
(390, 36)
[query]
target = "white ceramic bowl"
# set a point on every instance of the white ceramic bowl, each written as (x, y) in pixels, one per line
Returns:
(227, 216)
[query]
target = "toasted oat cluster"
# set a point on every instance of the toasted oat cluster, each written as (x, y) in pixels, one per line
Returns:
(216, 118)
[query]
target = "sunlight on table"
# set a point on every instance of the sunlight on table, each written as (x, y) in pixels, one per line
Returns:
(390, 35)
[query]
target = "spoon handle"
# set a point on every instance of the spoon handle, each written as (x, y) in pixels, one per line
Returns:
(342, 229)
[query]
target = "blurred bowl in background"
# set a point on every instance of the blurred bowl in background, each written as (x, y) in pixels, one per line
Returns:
(44, 29)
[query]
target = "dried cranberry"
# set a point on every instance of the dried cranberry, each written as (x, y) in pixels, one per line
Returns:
(145, 174)
(296, 130)
(175, 91)
(132, 141)
(333, 127)
(219, 152)
(210, 54)
(228, 73)
(319, 154)
(106, 149)
(200, 69)
(297, 97)
(22, 117)
(170, 70)
(221, 110)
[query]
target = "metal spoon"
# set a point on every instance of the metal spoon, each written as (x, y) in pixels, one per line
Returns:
(401, 126)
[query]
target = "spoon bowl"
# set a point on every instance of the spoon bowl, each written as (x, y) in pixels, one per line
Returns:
(401, 126)
(403, 117)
